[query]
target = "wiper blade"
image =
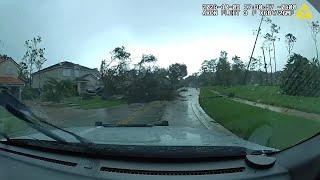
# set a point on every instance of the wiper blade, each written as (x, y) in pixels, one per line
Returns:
(21, 115)
(22, 112)
(5, 136)
(162, 123)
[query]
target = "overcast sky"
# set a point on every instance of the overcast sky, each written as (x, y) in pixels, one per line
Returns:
(85, 32)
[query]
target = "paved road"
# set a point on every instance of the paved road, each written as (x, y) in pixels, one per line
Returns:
(185, 111)
(181, 112)
(124, 114)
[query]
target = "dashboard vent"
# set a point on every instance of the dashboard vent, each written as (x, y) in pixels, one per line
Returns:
(66, 163)
(173, 173)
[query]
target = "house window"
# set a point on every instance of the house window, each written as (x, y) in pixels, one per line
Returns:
(66, 72)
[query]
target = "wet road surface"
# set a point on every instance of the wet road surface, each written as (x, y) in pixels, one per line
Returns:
(181, 112)
(184, 111)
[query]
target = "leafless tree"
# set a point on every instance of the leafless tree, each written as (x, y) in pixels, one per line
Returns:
(315, 29)
(290, 40)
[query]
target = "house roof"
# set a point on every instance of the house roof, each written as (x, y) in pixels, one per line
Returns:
(4, 80)
(4, 58)
(65, 64)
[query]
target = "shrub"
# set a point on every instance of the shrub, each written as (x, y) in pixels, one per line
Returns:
(86, 96)
(231, 94)
(29, 93)
(55, 90)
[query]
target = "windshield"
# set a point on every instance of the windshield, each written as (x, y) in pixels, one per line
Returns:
(160, 73)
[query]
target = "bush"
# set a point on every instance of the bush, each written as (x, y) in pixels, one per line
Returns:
(86, 96)
(55, 90)
(231, 94)
(301, 77)
(29, 93)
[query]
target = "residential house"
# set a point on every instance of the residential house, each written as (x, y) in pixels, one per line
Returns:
(84, 78)
(9, 76)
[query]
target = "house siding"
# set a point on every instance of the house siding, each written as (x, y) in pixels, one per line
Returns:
(58, 73)
(9, 73)
(44, 76)
(9, 64)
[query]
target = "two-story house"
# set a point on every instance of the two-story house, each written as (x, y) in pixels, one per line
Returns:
(84, 78)
(9, 76)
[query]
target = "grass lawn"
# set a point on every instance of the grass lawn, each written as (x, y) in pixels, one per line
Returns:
(94, 103)
(243, 120)
(9, 123)
(271, 95)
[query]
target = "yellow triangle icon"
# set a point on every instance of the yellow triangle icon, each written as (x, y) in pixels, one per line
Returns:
(304, 12)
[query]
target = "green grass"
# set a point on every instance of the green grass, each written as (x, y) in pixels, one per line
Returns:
(10, 124)
(243, 120)
(94, 103)
(271, 95)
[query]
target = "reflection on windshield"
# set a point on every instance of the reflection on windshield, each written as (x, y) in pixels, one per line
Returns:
(217, 74)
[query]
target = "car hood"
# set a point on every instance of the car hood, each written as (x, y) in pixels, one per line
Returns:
(152, 136)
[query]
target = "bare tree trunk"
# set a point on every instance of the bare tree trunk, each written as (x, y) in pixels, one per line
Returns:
(274, 57)
(270, 64)
(30, 77)
(254, 46)
(316, 45)
(275, 62)
(39, 82)
(265, 65)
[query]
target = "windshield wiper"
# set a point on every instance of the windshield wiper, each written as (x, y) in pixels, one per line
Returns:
(162, 123)
(22, 112)
(5, 136)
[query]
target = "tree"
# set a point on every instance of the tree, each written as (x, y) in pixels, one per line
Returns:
(39, 64)
(207, 70)
(176, 73)
(315, 29)
(223, 69)
(263, 19)
(268, 43)
(254, 64)
(147, 62)
(153, 85)
(114, 71)
(290, 40)
(265, 64)
(237, 64)
(208, 66)
(23, 71)
(300, 77)
(274, 30)
(238, 68)
(34, 56)
(122, 56)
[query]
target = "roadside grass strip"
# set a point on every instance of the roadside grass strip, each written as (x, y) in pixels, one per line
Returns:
(244, 120)
(272, 95)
